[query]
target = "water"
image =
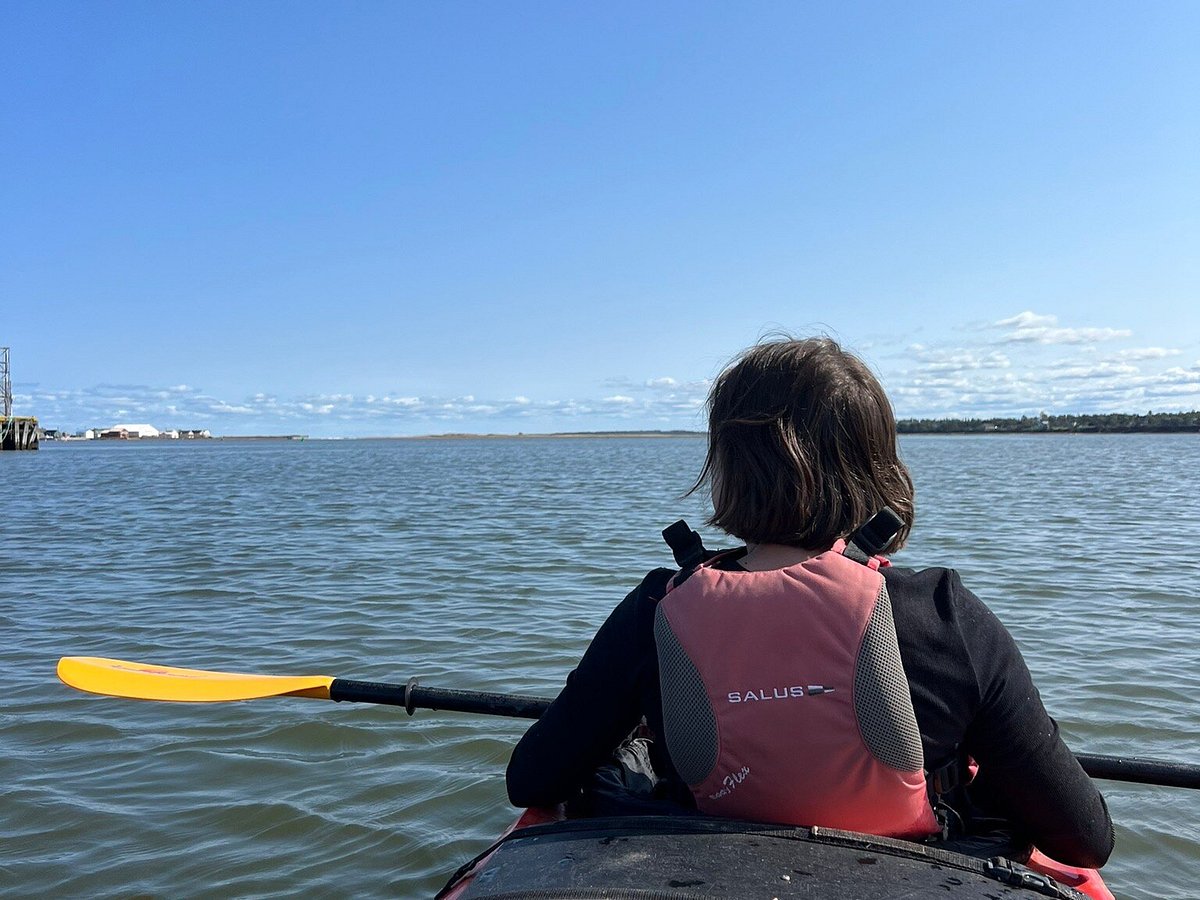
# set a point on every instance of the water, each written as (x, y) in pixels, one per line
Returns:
(488, 564)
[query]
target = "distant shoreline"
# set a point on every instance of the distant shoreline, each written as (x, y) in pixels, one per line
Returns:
(1107, 423)
(467, 436)
(578, 435)
(1089, 423)
(519, 436)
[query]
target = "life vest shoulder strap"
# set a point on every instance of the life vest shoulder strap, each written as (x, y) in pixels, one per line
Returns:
(869, 541)
(686, 545)
(864, 546)
(689, 551)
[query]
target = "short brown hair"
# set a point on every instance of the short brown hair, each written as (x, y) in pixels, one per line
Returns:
(802, 446)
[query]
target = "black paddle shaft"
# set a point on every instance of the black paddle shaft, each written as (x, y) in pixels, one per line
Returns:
(413, 697)
(517, 706)
(1140, 771)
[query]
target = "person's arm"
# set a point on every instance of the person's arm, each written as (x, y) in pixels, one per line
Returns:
(596, 710)
(1026, 771)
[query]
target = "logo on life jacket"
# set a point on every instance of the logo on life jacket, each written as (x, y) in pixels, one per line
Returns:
(783, 692)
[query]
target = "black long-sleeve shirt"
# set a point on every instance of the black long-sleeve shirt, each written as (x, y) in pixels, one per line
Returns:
(970, 689)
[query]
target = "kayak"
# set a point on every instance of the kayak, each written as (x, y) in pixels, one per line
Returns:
(543, 854)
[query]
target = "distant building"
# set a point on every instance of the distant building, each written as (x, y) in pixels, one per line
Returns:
(137, 431)
(130, 432)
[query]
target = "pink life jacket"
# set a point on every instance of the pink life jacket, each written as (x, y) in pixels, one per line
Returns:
(785, 700)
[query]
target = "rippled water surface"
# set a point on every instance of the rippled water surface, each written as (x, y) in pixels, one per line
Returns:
(488, 564)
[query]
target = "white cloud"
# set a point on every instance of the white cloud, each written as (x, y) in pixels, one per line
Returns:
(1029, 327)
(1178, 375)
(1027, 319)
(320, 409)
(1036, 371)
(961, 360)
(1096, 370)
(1139, 353)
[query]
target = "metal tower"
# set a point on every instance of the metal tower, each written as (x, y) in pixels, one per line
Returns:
(5, 383)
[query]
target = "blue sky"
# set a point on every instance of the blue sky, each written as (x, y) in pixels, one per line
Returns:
(348, 219)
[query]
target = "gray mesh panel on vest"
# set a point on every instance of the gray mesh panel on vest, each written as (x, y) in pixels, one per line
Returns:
(691, 727)
(882, 701)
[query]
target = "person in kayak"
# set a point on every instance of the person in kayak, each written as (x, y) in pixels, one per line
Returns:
(796, 679)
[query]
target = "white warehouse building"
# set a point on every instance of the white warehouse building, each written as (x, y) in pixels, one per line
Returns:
(140, 430)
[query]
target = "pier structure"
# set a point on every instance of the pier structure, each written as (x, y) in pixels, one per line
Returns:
(16, 432)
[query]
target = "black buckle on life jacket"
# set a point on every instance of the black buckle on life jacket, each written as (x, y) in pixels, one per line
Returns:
(874, 536)
(940, 784)
(686, 545)
(949, 775)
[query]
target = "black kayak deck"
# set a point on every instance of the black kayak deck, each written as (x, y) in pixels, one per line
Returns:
(648, 857)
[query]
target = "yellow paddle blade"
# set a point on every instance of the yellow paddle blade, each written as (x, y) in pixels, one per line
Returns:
(143, 681)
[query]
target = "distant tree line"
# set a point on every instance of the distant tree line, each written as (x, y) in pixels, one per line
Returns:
(1086, 422)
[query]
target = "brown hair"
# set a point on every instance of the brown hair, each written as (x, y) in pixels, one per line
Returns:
(802, 446)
